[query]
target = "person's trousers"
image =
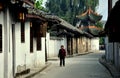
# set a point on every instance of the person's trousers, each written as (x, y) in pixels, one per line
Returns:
(62, 61)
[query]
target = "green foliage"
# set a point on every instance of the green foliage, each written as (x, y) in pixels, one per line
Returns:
(38, 5)
(68, 9)
(101, 40)
(99, 24)
(91, 3)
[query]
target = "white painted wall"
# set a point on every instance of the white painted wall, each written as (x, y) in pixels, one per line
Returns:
(23, 55)
(64, 42)
(110, 50)
(10, 55)
(6, 55)
(21, 49)
(119, 55)
(47, 43)
(38, 57)
(95, 44)
(41, 54)
(106, 48)
(116, 54)
(2, 54)
(53, 45)
(7, 44)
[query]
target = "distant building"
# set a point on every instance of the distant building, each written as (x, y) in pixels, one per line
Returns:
(88, 20)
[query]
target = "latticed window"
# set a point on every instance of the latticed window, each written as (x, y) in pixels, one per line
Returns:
(22, 32)
(38, 38)
(37, 34)
(31, 39)
(0, 38)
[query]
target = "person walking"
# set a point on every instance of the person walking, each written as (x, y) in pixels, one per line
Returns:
(62, 55)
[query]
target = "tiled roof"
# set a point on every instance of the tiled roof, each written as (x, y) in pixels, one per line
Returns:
(64, 23)
(90, 15)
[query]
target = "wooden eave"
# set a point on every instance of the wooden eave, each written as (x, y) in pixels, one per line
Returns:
(93, 30)
(52, 18)
(53, 21)
(90, 27)
(65, 33)
(88, 34)
(63, 24)
(102, 34)
(29, 3)
(32, 16)
(35, 14)
(69, 26)
(90, 15)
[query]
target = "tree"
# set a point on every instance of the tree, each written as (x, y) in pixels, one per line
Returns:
(68, 9)
(99, 24)
(38, 5)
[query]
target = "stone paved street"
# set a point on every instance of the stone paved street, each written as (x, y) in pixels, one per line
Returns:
(85, 66)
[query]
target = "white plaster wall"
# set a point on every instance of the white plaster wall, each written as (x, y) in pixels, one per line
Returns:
(47, 42)
(6, 55)
(41, 54)
(95, 44)
(2, 54)
(53, 48)
(119, 56)
(9, 44)
(110, 50)
(84, 43)
(106, 48)
(116, 54)
(21, 49)
(37, 58)
(23, 55)
(53, 45)
(64, 42)
(89, 44)
(10, 55)
(28, 57)
(57, 47)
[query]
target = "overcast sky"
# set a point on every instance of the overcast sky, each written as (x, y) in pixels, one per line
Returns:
(103, 9)
(44, 2)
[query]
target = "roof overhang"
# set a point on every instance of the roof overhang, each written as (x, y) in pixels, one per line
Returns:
(64, 24)
(33, 16)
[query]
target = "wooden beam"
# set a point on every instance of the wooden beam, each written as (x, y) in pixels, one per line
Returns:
(109, 6)
(34, 16)
(29, 3)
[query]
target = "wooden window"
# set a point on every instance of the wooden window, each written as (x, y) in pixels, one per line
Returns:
(31, 39)
(39, 43)
(38, 38)
(22, 32)
(0, 38)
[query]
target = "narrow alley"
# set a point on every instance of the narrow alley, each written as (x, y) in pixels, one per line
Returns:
(84, 66)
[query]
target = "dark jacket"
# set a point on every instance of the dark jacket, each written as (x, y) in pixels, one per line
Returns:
(62, 53)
